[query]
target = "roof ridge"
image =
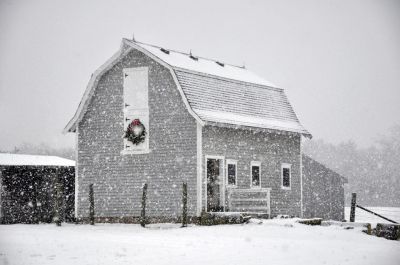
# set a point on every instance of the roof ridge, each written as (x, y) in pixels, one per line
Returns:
(189, 54)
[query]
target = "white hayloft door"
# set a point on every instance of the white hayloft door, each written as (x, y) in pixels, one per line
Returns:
(136, 110)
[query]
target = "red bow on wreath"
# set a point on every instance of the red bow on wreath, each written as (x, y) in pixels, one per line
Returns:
(136, 122)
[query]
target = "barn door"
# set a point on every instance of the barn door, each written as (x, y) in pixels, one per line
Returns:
(215, 185)
(136, 106)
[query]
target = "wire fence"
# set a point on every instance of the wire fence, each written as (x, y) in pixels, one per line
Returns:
(362, 216)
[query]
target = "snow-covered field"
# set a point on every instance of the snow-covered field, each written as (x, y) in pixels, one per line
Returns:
(272, 242)
(392, 213)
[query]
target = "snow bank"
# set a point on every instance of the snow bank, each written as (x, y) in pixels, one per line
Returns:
(259, 242)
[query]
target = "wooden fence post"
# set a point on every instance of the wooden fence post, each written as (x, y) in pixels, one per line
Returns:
(143, 213)
(353, 207)
(35, 217)
(184, 204)
(58, 198)
(91, 204)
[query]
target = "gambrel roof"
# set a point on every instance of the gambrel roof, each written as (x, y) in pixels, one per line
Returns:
(213, 92)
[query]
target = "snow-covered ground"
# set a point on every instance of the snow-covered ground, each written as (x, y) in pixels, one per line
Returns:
(272, 242)
(392, 213)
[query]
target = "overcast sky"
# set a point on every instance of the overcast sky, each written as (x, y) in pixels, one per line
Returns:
(339, 61)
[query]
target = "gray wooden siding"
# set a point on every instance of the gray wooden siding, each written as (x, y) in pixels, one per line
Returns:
(117, 178)
(271, 150)
(323, 191)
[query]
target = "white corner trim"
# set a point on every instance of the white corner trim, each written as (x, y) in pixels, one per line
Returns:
(255, 163)
(199, 191)
(301, 178)
(76, 172)
(286, 165)
(94, 79)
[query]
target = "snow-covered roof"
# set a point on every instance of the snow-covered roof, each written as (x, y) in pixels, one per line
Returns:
(181, 60)
(34, 160)
(228, 101)
(213, 92)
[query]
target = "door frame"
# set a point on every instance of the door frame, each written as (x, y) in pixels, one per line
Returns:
(223, 188)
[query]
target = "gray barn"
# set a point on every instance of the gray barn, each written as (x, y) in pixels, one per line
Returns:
(162, 117)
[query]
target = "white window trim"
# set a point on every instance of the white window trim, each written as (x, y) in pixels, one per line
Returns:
(135, 152)
(231, 162)
(289, 166)
(255, 163)
(199, 190)
(146, 149)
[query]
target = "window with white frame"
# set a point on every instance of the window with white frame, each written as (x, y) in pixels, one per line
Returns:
(286, 175)
(255, 171)
(231, 172)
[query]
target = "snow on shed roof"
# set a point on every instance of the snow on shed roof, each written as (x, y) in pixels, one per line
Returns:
(203, 65)
(34, 160)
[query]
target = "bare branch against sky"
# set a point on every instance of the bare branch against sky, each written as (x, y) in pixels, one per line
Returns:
(338, 60)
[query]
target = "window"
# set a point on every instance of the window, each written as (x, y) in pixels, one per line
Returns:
(136, 107)
(255, 174)
(286, 176)
(231, 172)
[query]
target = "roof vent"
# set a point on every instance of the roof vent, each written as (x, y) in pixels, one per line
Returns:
(164, 50)
(193, 57)
(220, 64)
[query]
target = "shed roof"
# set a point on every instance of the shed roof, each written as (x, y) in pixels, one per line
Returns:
(214, 92)
(7, 159)
(307, 161)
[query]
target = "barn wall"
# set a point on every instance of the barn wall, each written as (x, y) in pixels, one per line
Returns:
(323, 191)
(117, 178)
(271, 150)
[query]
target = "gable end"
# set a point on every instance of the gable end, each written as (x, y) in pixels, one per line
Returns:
(126, 47)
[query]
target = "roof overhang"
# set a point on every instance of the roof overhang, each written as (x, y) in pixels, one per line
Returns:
(256, 129)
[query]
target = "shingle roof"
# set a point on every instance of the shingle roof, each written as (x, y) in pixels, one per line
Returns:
(223, 93)
(213, 92)
(182, 60)
(227, 101)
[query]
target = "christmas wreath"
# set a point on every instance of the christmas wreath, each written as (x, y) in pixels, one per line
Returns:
(136, 132)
